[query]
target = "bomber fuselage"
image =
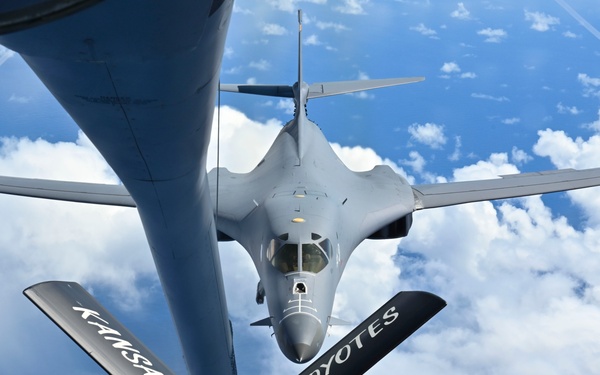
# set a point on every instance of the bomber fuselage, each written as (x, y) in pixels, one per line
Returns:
(293, 219)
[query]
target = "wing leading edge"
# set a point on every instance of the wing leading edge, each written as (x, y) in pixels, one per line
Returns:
(508, 186)
(112, 195)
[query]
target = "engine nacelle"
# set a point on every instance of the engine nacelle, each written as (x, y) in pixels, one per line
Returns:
(395, 229)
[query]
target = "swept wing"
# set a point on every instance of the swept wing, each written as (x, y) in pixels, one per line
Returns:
(508, 186)
(113, 195)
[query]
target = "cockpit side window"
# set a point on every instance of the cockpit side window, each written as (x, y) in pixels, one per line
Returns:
(326, 246)
(313, 258)
(286, 259)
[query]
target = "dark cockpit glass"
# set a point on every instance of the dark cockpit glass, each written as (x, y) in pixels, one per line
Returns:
(313, 258)
(286, 259)
(285, 256)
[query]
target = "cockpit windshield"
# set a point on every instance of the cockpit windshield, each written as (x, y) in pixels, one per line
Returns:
(286, 259)
(313, 258)
(308, 257)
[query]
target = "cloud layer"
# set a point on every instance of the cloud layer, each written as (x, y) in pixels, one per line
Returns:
(521, 283)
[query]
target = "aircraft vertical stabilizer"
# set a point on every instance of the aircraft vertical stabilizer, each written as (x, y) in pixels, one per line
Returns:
(94, 329)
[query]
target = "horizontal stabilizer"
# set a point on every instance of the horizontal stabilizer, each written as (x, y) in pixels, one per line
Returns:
(266, 322)
(378, 335)
(319, 90)
(94, 329)
(113, 195)
(281, 91)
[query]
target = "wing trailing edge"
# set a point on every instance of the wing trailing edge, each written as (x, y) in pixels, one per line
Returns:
(94, 329)
(112, 195)
(508, 186)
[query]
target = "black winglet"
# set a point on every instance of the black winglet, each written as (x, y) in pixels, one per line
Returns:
(378, 335)
(94, 329)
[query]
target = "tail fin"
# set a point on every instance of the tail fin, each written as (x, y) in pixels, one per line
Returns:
(94, 329)
(316, 90)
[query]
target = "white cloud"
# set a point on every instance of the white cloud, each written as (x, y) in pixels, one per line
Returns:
(587, 80)
(594, 125)
(450, 67)
(591, 85)
(461, 13)
(424, 30)
(493, 35)
(496, 165)
(453, 67)
(238, 9)
(582, 21)
(519, 157)
(352, 7)
(337, 27)
(312, 40)
(229, 52)
(416, 162)
(19, 99)
(570, 34)
(261, 64)
(284, 5)
(561, 108)
(541, 21)
(287, 105)
(522, 285)
(490, 97)
(43, 240)
(274, 29)
(455, 156)
(237, 133)
(428, 134)
(5, 54)
(511, 121)
(565, 152)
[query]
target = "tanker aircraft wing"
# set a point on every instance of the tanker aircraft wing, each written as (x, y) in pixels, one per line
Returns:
(83, 192)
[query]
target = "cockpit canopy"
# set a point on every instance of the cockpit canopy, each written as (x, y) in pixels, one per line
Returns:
(307, 257)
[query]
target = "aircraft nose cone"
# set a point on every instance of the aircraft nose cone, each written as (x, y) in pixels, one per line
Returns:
(301, 336)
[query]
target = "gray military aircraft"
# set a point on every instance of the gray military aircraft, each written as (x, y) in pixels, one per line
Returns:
(143, 91)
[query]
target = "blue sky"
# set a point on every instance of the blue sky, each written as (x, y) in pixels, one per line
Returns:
(510, 86)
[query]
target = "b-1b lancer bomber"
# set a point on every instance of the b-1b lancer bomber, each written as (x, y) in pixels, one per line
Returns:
(143, 92)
